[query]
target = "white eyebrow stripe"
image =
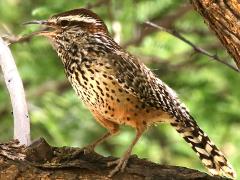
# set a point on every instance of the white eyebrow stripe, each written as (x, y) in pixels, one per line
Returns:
(80, 18)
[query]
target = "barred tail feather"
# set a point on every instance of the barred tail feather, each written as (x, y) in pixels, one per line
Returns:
(212, 158)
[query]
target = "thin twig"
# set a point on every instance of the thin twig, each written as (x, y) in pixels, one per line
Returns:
(195, 48)
(11, 39)
(167, 21)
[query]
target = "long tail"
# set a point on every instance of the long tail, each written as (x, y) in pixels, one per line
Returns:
(212, 158)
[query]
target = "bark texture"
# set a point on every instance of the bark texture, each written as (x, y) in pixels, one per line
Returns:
(41, 161)
(223, 17)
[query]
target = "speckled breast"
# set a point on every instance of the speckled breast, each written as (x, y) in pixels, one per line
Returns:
(96, 86)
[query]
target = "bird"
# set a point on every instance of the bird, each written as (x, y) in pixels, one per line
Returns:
(119, 89)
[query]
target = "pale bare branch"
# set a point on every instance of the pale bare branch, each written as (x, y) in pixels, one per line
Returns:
(17, 94)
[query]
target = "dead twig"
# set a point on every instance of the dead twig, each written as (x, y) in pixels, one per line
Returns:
(12, 39)
(195, 48)
(166, 21)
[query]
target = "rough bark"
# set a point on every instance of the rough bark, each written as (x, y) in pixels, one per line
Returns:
(223, 18)
(41, 161)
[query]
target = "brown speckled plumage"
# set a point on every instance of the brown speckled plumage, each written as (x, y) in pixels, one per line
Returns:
(119, 89)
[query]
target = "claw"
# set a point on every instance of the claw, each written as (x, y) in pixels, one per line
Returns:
(111, 163)
(121, 165)
(122, 162)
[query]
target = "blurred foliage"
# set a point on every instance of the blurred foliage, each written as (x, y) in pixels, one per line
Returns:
(208, 88)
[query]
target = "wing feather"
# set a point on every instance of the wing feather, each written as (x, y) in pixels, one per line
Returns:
(135, 78)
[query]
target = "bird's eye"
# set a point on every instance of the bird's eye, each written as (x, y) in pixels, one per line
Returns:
(64, 22)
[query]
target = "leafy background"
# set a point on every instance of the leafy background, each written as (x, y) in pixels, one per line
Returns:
(208, 88)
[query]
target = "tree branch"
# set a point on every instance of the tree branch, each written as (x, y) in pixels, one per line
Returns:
(223, 18)
(165, 21)
(17, 95)
(195, 48)
(41, 161)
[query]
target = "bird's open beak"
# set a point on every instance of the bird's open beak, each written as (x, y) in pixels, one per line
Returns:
(48, 27)
(43, 22)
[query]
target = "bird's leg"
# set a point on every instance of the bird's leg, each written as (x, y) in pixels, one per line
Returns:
(122, 162)
(110, 126)
(89, 148)
(112, 129)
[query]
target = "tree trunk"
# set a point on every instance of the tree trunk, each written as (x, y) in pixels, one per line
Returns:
(223, 18)
(41, 161)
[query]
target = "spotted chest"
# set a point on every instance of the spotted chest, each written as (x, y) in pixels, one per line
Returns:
(95, 84)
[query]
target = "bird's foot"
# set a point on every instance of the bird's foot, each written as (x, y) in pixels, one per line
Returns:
(85, 150)
(120, 165)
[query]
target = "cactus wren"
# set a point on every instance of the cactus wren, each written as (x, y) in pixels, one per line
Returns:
(119, 89)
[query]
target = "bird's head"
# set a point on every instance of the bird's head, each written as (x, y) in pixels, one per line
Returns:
(76, 21)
